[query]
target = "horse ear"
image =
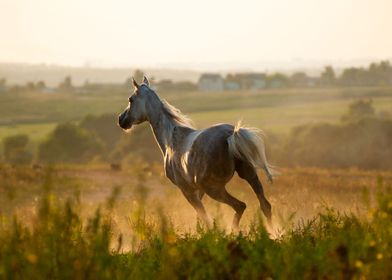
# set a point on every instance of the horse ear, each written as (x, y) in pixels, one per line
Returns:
(145, 81)
(135, 84)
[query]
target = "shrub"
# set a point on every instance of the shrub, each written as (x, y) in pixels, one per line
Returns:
(365, 143)
(15, 149)
(69, 143)
(359, 109)
(141, 143)
(104, 127)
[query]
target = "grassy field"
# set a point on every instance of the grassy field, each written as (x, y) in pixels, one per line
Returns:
(91, 222)
(94, 222)
(275, 111)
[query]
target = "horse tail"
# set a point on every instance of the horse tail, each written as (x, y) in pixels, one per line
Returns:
(247, 144)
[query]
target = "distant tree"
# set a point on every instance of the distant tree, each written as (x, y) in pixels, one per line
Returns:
(299, 79)
(379, 74)
(66, 85)
(15, 149)
(131, 146)
(3, 84)
(40, 85)
(231, 78)
(277, 80)
(354, 77)
(30, 86)
(69, 143)
(104, 127)
(328, 77)
(358, 110)
(138, 75)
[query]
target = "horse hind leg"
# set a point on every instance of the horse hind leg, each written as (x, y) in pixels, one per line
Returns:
(247, 172)
(221, 195)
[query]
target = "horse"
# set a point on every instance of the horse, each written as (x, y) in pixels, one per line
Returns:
(202, 161)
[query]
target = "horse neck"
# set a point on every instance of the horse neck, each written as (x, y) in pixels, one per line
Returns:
(162, 127)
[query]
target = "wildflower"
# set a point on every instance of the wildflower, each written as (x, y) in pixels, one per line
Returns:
(32, 258)
(384, 215)
(358, 264)
(371, 213)
(171, 238)
(379, 256)
(372, 243)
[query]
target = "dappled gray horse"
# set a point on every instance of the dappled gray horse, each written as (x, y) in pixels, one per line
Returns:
(200, 161)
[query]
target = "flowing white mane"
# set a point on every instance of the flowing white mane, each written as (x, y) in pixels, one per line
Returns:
(176, 114)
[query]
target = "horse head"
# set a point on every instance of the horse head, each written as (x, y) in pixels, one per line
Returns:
(136, 112)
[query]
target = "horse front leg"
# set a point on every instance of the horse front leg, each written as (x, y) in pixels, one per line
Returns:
(220, 194)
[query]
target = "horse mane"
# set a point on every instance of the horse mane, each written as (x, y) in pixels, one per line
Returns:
(176, 115)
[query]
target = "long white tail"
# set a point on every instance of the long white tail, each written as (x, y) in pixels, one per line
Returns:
(247, 144)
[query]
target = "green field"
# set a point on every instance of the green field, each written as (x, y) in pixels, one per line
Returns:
(275, 111)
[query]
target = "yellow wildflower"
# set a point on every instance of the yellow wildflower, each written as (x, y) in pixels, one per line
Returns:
(32, 258)
(358, 264)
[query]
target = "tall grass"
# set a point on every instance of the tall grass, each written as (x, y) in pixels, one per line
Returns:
(57, 243)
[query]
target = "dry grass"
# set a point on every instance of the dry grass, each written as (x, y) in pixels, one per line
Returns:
(296, 194)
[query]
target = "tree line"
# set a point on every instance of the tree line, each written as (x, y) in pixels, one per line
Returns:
(375, 74)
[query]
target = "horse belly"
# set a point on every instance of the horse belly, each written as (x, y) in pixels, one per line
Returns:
(211, 164)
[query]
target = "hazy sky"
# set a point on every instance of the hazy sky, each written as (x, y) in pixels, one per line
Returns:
(193, 33)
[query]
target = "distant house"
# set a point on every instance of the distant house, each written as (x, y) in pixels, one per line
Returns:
(211, 82)
(277, 81)
(253, 81)
(232, 85)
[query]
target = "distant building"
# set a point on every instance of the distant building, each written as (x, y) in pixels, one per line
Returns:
(232, 85)
(277, 80)
(211, 82)
(253, 81)
(276, 83)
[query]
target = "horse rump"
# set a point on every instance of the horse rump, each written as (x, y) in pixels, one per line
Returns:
(247, 144)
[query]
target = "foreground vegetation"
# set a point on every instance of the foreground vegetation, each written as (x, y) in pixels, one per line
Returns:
(59, 241)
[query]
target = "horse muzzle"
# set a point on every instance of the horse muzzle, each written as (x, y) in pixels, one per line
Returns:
(124, 122)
